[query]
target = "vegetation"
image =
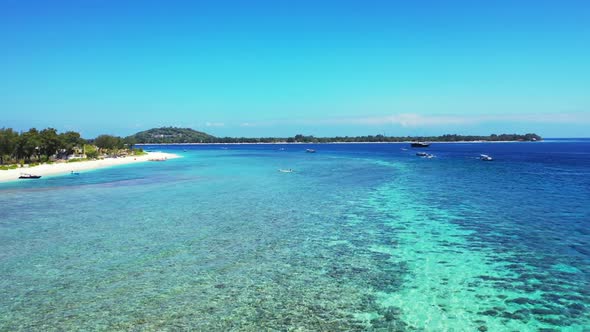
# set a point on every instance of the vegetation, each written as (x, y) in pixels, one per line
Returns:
(90, 151)
(138, 152)
(77, 160)
(171, 135)
(4, 168)
(168, 135)
(47, 145)
(34, 146)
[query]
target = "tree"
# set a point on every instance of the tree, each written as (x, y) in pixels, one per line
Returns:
(108, 142)
(8, 141)
(70, 140)
(49, 142)
(28, 145)
(130, 141)
(90, 151)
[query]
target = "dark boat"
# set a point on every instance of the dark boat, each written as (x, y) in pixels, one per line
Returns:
(310, 150)
(29, 176)
(420, 145)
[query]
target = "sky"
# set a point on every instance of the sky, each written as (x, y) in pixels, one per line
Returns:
(279, 68)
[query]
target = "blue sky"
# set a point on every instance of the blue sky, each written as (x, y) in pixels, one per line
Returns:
(262, 68)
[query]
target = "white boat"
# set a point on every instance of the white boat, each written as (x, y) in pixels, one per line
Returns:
(285, 170)
(424, 155)
(485, 157)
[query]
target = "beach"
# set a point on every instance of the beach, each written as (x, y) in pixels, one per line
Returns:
(65, 167)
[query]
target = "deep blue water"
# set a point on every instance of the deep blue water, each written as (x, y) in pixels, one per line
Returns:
(358, 237)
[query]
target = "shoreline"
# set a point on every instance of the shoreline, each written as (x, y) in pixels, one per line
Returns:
(295, 143)
(66, 168)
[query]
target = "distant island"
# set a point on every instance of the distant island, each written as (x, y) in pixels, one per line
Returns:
(172, 135)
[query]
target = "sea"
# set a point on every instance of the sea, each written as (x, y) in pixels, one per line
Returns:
(358, 237)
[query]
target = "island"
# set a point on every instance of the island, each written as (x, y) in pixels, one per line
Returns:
(173, 135)
(47, 152)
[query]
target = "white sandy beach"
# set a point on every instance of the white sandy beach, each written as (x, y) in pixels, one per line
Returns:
(65, 168)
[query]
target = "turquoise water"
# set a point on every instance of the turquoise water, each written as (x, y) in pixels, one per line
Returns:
(359, 237)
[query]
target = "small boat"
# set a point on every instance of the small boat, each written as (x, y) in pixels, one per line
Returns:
(424, 155)
(485, 157)
(310, 150)
(404, 149)
(29, 176)
(74, 173)
(285, 170)
(158, 159)
(420, 145)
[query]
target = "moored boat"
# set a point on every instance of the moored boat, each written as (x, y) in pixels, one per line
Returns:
(310, 150)
(485, 157)
(419, 145)
(29, 176)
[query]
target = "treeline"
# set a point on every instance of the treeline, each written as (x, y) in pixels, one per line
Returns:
(369, 138)
(47, 145)
(443, 138)
(168, 135)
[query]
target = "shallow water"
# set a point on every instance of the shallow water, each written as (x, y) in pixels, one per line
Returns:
(359, 237)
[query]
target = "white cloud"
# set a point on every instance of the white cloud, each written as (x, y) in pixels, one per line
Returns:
(418, 120)
(414, 120)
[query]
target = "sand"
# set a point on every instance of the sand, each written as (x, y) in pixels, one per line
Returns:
(65, 168)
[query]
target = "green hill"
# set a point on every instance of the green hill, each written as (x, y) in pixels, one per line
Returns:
(172, 135)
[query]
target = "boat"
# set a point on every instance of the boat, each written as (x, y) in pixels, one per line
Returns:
(424, 155)
(29, 176)
(158, 159)
(310, 150)
(485, 157)
(285, 170)
(74, 173)
(419, 145)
